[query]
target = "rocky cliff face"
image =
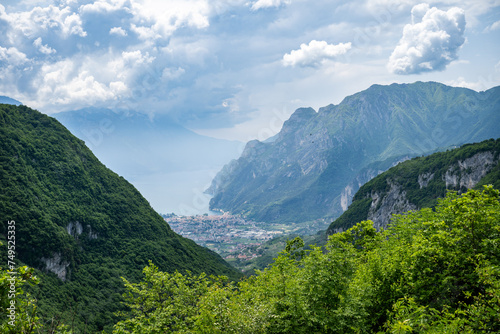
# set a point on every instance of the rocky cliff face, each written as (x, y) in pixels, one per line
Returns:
(418, 183)
(464, 174)
(57, 265)
(365, 176)
(319, 159)
(384, 205)
(468, 172)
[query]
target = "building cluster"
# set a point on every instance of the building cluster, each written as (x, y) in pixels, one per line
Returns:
(228, 235)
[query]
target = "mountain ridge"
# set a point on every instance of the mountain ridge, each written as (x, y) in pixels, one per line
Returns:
(316, 155)
(8, 100)
(419, 182)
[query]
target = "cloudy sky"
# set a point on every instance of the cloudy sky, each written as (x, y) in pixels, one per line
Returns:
(237, 68)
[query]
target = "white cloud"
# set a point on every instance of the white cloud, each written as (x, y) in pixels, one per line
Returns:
(84, 87)
(494, 26)
(118, 87)
(12, 56)
(194, 53)
(314, 53)
(103, 6)
(231, 104)
(268, 3)
(172, 73)
(40, 19)
(124, 66)
(430, 42)
(66, 83)
(461, 82)
(145, 33)
(163, 18)
(73, 26)
(118, 31)
(45, 49)
(377, 6)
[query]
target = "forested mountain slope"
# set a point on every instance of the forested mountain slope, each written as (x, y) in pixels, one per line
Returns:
(419, 182)
(81, 224)
(319, 159)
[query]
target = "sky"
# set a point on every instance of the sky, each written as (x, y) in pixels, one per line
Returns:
(237, 69)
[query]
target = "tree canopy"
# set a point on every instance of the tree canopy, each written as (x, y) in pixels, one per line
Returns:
(430, 271)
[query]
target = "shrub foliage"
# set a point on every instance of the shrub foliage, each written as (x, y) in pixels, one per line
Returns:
(430, 271)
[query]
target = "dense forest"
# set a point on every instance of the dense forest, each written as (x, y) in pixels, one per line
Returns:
(430, 271)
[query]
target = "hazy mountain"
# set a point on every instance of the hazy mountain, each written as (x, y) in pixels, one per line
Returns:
(8, 100)
(80, 223)
(319, 159)
(419, 182)
(168, 163)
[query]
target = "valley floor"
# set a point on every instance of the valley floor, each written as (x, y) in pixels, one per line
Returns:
(235, 238)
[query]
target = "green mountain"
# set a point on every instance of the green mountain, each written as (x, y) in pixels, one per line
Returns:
(319, 159)
(81, 224)
(419, 182)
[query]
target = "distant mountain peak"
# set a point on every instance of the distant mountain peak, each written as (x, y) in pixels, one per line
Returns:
(303, 114)
(8, 100)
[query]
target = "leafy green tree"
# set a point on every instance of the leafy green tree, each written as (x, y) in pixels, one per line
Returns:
(430, 271)
(163, 302)
(450, 268)
(18, 310)
(19, 313)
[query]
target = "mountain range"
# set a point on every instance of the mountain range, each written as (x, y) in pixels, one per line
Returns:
(410, 185)
(319, 160)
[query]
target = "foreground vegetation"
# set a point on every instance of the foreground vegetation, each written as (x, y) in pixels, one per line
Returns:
(429, 272)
